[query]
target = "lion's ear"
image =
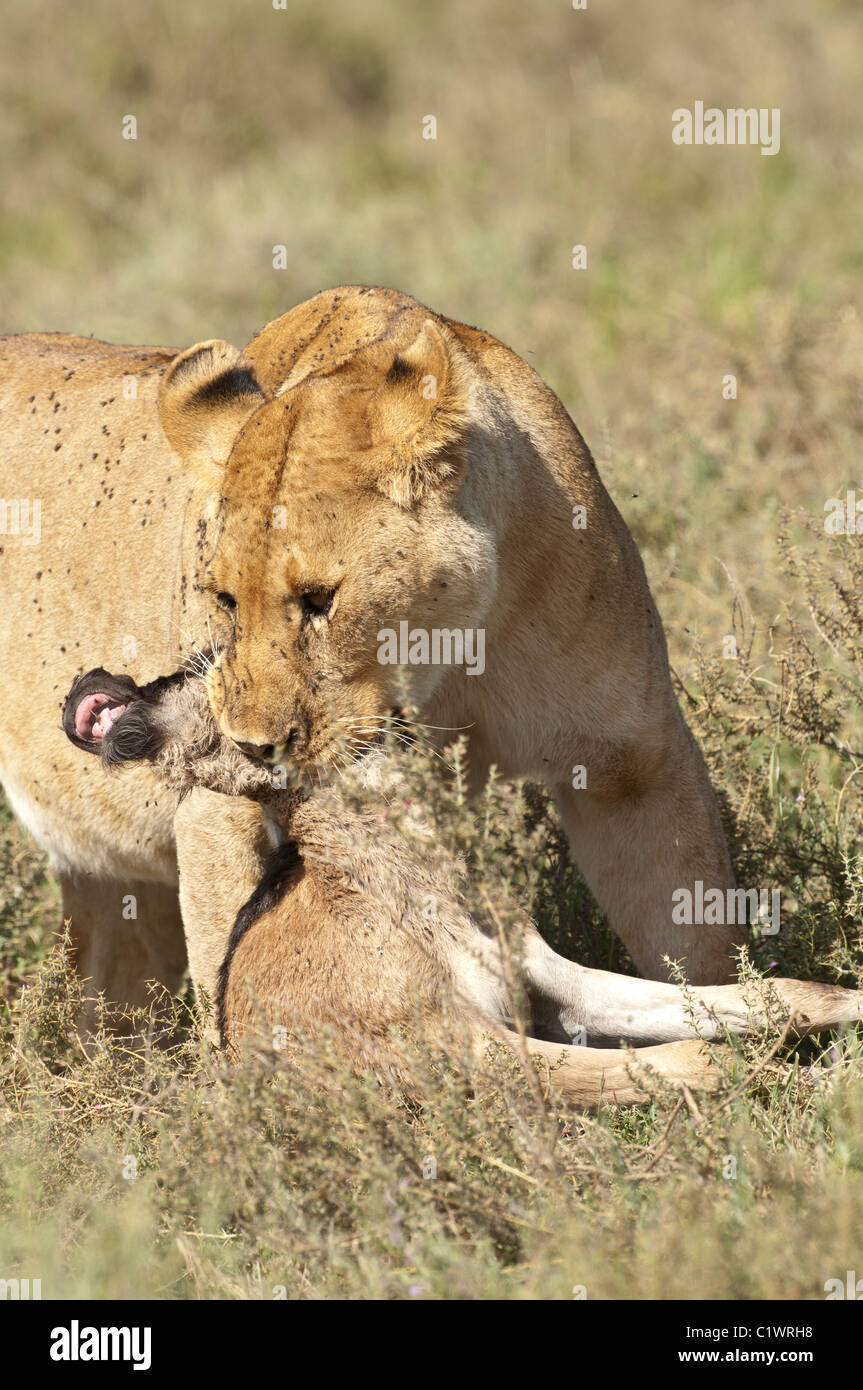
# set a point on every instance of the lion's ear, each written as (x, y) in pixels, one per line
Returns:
(419, 415)
(207, 395)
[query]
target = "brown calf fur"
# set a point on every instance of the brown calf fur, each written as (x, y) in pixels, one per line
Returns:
(335, 932)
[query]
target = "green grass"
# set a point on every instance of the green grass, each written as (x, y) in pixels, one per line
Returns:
(303, 128)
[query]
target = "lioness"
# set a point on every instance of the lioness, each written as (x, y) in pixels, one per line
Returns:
(336, 931)
(363, 468)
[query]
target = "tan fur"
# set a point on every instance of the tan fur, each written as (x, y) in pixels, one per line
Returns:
(418, 471)
(213, 888)
(106, 568)
(426, 474)
(343, 939)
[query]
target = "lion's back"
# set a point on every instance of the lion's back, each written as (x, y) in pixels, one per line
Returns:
(91, 506)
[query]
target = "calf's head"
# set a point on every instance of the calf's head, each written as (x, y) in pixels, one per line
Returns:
(167, 723)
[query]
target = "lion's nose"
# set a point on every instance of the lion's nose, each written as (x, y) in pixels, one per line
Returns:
(269, 752)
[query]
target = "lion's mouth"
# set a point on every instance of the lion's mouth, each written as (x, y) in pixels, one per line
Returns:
(95, 715)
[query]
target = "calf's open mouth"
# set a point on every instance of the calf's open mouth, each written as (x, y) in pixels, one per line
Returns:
(112, 716)
(95, 715)
(93, 706)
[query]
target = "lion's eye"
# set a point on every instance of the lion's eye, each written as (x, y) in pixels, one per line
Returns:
(317, 602)
(227, 602)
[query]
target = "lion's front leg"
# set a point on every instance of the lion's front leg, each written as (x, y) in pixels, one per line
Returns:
(223, 844)
(642, 844)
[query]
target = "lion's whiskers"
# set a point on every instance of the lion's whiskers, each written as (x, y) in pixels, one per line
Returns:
(198, 661)
(382, 724)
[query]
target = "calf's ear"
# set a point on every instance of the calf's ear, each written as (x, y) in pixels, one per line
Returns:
(207, 395)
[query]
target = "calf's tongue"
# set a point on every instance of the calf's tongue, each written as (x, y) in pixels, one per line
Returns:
(95, 716)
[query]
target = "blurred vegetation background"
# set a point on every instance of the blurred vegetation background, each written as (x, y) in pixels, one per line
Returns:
(303, 127)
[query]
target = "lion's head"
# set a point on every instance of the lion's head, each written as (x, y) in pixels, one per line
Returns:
(341, 515)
